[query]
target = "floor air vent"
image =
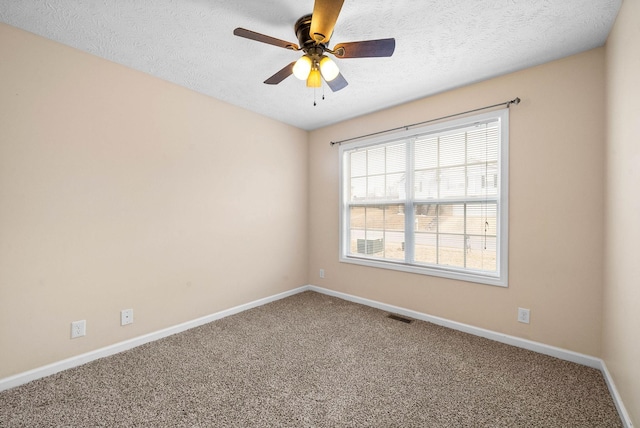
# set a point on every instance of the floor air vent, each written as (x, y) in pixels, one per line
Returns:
(399, 318)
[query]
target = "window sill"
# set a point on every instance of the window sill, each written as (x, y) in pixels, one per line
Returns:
(480, 278)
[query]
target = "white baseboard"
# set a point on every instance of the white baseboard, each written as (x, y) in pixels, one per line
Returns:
(564, 354)
(541, 348)
(617, 400)
(538, 347)
(40, 372)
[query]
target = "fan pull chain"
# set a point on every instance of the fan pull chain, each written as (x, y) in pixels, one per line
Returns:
(314, 96)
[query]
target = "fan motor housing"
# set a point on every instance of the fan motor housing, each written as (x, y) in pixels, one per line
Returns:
(307, 44)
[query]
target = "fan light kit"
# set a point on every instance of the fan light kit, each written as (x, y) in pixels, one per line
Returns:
(314, 32)
(304, 67)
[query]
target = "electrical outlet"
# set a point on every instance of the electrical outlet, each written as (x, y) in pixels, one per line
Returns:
(523, 315)
(321, 273)
(78, 328)
(126, 316)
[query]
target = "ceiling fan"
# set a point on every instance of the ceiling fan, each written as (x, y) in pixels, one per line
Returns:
(314, 32)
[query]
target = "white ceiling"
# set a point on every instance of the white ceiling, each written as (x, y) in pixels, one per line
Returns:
(440, 45)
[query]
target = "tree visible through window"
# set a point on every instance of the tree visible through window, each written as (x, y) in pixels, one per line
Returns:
(433, 200)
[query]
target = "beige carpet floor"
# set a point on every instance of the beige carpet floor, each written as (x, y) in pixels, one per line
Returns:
(311, 360)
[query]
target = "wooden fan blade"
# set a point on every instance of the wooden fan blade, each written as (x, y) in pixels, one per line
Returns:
(325, 15)
(248, 34)
(365, 49)
(338, 83)
(281, 75)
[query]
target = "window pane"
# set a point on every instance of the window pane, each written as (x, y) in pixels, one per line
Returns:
(482, 144)
(394, 232)
(358, 163)
(356, 217)
(451, 219)
(482, 219)
(426, 153)
(375, 161)
(481, 253)
(482, 180)
(452, 148)
(426, 184)
(396, 186)
(374, 222)
(358, 188)
(396, 158)
(356, 227)
(375, 187)
(426, 218)
(451, 250)
(452, 182)
(426, 249)
(476, 180)
(355, 236)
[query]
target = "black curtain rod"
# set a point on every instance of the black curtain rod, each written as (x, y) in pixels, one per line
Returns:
(515, 101)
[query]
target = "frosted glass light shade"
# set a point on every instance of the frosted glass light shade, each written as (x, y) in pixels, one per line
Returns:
(315, 79)
(328, 68)
(302, 67)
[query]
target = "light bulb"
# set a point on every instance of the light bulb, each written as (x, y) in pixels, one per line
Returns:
(302, 67)
(328, 68)
(314, 80)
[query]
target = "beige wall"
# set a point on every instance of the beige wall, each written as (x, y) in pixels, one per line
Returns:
(557, 139)
(119, 190)
(621, 347)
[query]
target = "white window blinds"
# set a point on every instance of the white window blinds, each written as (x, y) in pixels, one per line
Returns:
(431, 201)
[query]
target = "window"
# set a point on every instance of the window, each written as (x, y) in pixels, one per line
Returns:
(430, 200)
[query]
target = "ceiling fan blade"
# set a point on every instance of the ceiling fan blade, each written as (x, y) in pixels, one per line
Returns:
(281, 75)
(365, 49)
(338, 83)
(248, 34)
(325, 15)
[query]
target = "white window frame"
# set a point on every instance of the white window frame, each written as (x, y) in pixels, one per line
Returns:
(498, 278)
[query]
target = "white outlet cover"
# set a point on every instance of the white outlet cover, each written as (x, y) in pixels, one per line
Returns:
(523, 315)
(78, 329)
(126, 316)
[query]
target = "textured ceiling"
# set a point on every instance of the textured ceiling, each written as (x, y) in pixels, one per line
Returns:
(440, 45)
